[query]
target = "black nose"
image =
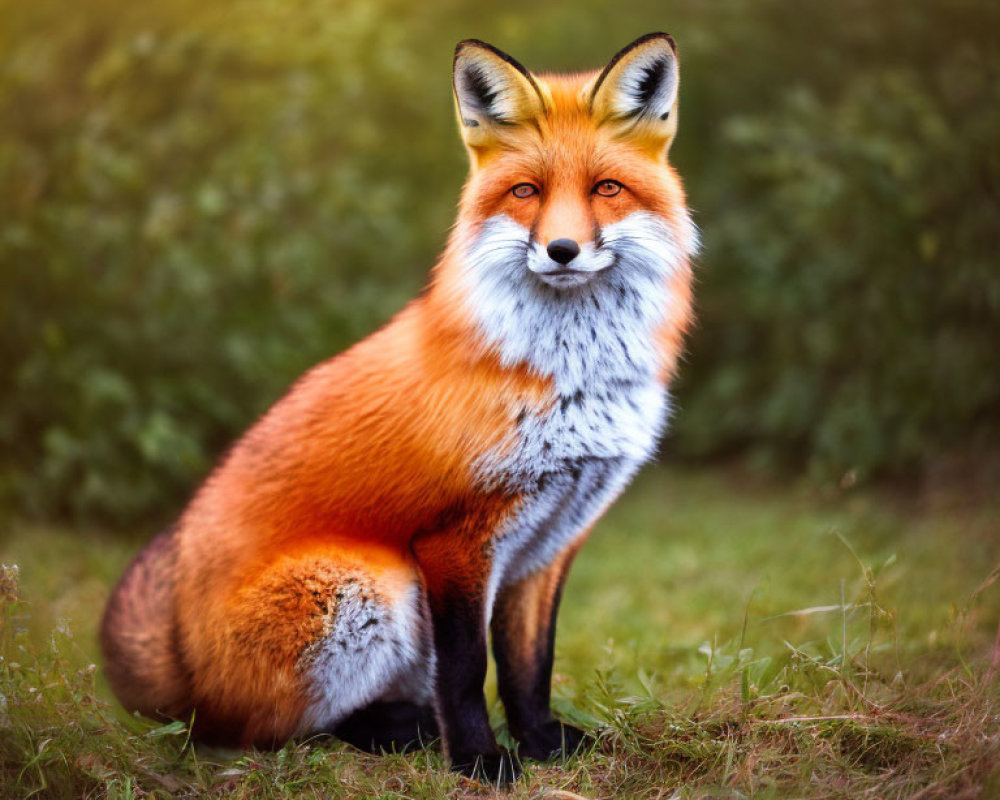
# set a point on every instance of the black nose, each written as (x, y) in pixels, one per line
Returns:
(563, 250)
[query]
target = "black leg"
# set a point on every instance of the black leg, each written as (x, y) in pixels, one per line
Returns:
(524, 628)
(460, 642)
(455, 569)
(388, 726)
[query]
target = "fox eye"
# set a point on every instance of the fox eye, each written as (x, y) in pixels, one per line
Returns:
(523, 190)
(607, 188)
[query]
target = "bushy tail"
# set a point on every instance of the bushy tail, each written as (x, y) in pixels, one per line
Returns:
(138, 635)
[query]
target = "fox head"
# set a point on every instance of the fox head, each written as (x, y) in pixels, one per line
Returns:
(570, 199)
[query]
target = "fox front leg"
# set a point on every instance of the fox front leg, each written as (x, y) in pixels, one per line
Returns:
(456, 588)
(524, 627)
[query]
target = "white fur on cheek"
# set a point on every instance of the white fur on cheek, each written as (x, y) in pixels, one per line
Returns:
(600, 331)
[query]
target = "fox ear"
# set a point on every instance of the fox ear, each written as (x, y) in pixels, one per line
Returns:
(638, 90)
(492, 93)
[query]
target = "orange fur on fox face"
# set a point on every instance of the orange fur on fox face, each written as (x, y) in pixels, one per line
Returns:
(566, 153)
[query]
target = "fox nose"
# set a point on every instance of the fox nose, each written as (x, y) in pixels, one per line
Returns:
(563, 250)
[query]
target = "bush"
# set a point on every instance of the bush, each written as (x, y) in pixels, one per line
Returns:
(850, 308)
(201, 200)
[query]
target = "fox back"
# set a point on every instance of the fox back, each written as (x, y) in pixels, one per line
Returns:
(339, 571)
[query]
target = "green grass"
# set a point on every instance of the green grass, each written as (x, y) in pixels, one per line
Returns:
(727, 638)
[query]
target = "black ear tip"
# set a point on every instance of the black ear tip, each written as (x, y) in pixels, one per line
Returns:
(467, 43)
(649, 37)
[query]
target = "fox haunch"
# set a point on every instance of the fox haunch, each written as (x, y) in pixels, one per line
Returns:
(341, 569)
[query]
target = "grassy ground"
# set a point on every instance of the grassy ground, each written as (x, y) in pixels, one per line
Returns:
(726, 639)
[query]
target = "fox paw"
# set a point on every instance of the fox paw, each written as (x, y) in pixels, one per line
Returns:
(551, 740)
(497, 769)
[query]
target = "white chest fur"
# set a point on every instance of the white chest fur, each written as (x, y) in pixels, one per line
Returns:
(597, 344)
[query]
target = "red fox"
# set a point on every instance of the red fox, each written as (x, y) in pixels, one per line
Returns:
(340, 570)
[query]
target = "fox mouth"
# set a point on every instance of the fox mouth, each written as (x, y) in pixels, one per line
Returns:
(581, 270)
(567, 277)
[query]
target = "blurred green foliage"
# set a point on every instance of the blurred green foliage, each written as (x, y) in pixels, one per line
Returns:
(200, 200)
(851, 291)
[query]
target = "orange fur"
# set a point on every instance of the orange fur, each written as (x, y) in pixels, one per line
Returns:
(368, 465)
